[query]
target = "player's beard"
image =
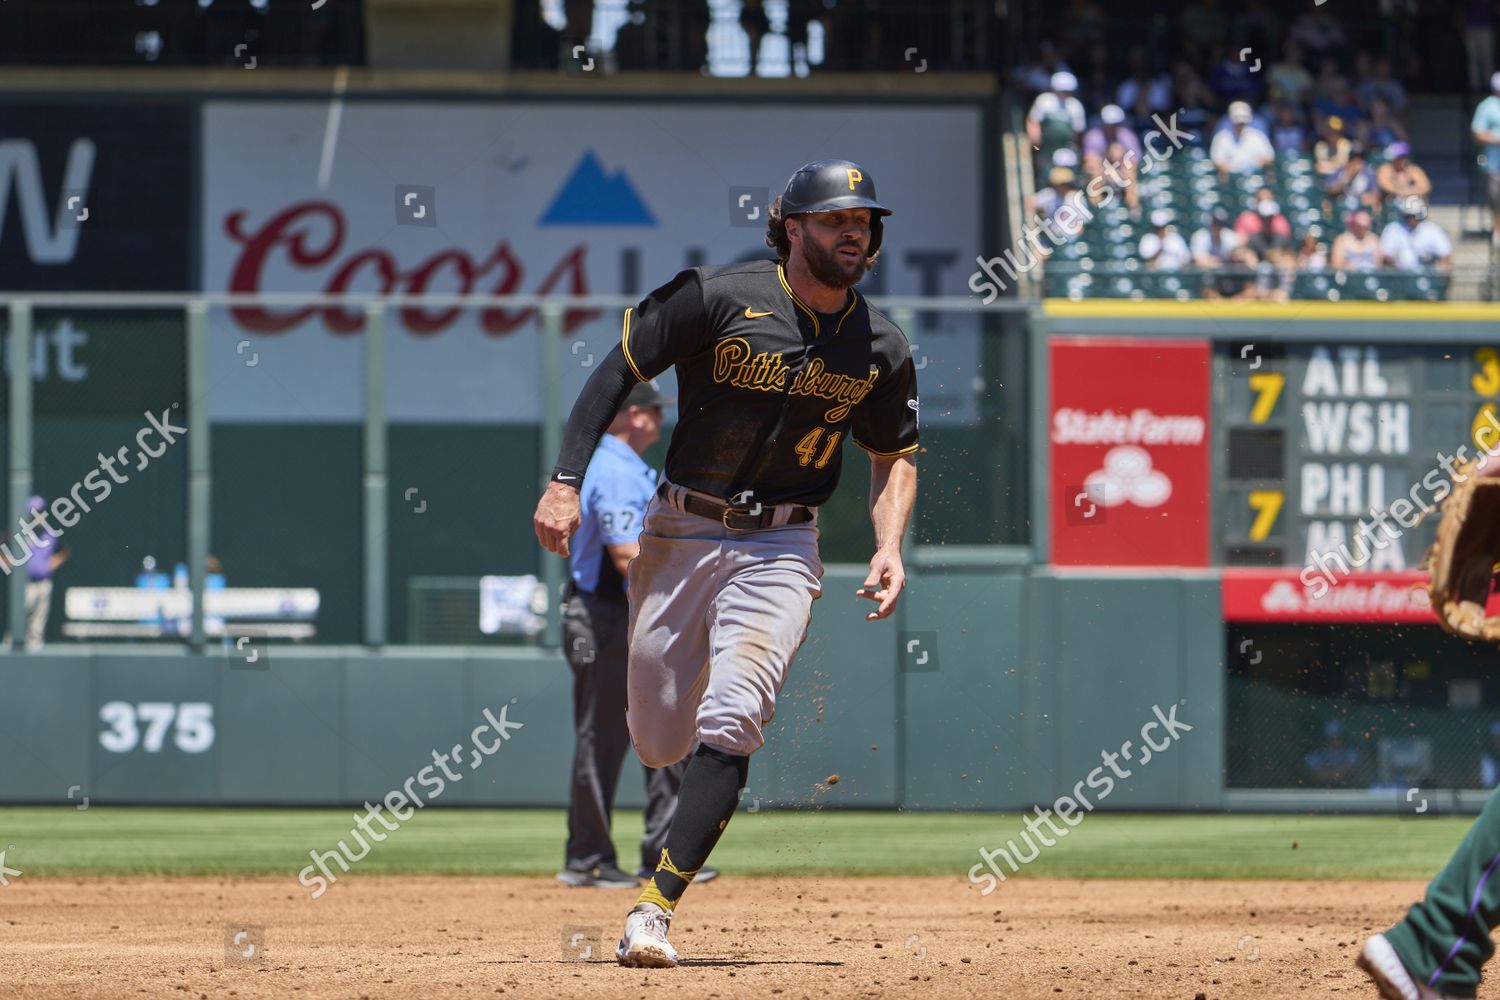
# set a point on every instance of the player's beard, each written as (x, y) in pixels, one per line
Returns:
(828, 268)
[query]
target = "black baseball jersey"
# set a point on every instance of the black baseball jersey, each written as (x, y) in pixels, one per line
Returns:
(768, 389)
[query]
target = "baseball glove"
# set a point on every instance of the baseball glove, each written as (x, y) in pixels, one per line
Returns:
(1461, 563)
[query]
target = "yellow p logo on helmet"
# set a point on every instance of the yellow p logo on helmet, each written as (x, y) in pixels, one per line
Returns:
(854, 177)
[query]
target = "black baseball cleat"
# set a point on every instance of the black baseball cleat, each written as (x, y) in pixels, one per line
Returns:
(704, 874)
(601, 877)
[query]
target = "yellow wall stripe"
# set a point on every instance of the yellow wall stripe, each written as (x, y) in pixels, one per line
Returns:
(1217, 309)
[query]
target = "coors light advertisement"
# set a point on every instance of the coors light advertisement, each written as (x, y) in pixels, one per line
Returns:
(421, 198)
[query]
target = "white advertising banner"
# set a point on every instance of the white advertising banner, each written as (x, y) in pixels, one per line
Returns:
(534, 198)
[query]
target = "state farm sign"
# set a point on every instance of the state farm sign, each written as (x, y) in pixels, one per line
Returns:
(507, 198)
(1278, 595)
(1128, 437)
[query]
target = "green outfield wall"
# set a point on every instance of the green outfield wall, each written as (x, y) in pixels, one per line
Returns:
(1011, 704)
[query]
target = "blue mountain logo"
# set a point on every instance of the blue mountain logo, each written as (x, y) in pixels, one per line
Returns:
(592, 197)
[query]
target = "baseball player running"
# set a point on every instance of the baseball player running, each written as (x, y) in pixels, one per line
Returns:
(777, 363)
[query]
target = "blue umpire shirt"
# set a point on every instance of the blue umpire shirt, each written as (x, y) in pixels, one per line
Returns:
(617, 486)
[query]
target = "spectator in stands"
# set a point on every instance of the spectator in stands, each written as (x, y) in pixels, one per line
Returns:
(1383, 127)
(1312, 255)
(1288, 134)
(1236, 279)
(1486, 130)
(1036, 77)
(1354, 187)
(1056, 119)
(757, 25)
(1479, 40)
(1399, 177)
(1098, 76)
(631, 41)
(1061, 185)
(535, 44)
(1356, 248)
(1084, 24)
(1231, 78)
(1319, 34)
(1262, 226)
(1414, 243)
(1276, 274)
(1108, 143)
(1242, 148)
(1195, 102)
(1218, 250)
(580, 17)
(1331, 151)
(1212, 245)
(800, 14)
(1289, 76)
(1164, 249)
(1156, 90)
(1380, 85)
(1202, 23)
(1339, 100)
(1256, 28)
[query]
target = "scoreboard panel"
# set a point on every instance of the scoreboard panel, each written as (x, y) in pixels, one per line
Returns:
(1341, 448)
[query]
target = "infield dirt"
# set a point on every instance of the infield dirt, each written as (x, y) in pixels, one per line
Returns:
(392, 936)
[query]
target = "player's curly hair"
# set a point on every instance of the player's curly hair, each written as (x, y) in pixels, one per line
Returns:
(777, 239)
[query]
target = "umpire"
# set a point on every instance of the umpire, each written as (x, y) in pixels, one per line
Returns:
(596, 616)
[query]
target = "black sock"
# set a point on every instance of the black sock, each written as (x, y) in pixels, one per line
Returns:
(705, 802)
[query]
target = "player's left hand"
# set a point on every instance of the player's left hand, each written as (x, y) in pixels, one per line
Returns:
(884, 584)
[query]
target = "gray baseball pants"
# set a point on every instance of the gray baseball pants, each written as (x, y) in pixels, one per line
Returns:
(716, 616)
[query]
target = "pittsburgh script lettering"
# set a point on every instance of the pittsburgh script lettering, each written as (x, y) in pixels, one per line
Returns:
(735, 364)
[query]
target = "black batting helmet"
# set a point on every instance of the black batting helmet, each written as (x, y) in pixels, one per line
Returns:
(830, 185)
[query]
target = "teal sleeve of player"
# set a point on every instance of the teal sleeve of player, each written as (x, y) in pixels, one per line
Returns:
(1445, 939)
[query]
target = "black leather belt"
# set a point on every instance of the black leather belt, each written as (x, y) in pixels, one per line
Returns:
(736, 518)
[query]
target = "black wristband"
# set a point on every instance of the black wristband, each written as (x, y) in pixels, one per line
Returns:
(567, 478)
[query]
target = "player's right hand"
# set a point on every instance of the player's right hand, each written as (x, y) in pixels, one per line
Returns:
(557, 517)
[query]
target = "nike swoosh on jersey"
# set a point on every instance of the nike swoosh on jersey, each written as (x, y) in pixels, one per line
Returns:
(755, 315)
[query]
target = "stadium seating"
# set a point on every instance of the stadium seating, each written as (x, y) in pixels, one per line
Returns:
(1104, 262)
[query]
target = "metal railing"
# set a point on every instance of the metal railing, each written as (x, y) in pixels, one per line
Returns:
(375, 480)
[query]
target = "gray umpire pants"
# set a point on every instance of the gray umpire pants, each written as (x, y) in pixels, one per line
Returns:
(594, 633)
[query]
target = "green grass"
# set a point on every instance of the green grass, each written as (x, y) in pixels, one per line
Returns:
(163, 841)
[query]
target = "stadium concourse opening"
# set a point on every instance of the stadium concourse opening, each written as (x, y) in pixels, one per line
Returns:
(1382, 708)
